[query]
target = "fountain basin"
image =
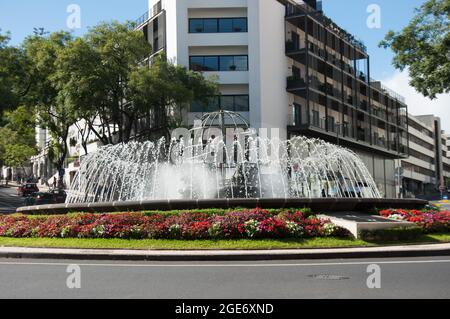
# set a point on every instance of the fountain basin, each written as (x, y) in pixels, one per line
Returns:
(319, 205)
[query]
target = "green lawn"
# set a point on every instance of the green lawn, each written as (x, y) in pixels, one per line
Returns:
(207, 244)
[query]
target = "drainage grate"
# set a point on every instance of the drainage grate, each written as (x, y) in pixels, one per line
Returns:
(328, 277)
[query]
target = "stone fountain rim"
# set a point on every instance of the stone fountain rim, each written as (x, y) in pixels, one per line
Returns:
(321, 205)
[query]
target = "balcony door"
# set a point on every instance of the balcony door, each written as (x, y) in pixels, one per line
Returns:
(295, 38)
(297, 114)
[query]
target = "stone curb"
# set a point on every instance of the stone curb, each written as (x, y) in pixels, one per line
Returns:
(227, 255)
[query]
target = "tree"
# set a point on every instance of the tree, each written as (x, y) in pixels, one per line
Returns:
(17, 155)
(106, 83)
(166, 89)
(17, 138)
(45, 94)
(12, 76)
(424, 48)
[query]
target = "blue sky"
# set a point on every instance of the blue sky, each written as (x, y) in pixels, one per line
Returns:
(21, 16)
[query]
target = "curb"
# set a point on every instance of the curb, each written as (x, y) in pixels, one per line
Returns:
(254, 255)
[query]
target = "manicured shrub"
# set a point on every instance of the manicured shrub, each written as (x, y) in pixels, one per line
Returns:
(254, 223)
(430, 221)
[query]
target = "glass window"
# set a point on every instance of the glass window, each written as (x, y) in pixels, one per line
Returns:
(240, 25)
(196, 25)
(241, 63)
(213, 104)
(214, 25)
(197, 63)
(241, 103)
(197, 107)
(219, 63)
(211, 63)
(227, 63)
(226, 25)
(227, 102)
(210, 25)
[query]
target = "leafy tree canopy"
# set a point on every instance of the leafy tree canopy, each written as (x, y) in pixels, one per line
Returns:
(424, 48)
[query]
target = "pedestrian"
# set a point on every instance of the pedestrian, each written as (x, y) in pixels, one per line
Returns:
(54, 183)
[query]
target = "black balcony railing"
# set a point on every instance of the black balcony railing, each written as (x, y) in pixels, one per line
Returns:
(294, 83)
(293, 10)
(142, 19)
(292, 47)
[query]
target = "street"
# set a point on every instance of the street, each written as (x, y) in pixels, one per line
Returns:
(9, 200)
(400, 278)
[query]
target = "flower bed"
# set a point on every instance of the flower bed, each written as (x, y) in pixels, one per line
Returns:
(429, 221)
(255, 223)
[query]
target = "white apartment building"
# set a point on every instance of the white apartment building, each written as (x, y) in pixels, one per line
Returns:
(242, 36)
(282, 64)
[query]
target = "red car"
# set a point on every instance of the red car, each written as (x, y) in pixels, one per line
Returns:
(27, 190)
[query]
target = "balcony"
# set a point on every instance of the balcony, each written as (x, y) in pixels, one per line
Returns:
(293, 47)
(295, 85)
(379, 141)
(296, 13)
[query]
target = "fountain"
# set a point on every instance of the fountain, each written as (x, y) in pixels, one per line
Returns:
(222, 162)
(209, 167)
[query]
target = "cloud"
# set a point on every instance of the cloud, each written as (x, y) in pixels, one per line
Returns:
(417, 103)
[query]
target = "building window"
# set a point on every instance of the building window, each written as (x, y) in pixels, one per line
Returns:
(219, 63)
(233, 103)
(218, 25)
(315, 118)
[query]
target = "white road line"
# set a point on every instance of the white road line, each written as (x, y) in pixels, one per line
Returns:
(411, 262)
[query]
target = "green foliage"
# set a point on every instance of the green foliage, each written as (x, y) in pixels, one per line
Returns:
(167, 89)
(53, 113)
(17, 155)
(11, 75)
(424, 48)
(17, 137)
(102, 78)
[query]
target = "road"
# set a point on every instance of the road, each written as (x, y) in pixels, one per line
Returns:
(400, 278)
(9, 201)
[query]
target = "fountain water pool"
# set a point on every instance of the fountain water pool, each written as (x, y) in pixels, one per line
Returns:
(211, 165)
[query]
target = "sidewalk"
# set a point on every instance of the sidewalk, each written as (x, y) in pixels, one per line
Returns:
(234, 255)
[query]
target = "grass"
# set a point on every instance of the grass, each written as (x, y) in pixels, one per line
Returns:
(150, 244)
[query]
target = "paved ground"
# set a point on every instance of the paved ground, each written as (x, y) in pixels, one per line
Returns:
(400, 278)
(444, 205)
(9, 200)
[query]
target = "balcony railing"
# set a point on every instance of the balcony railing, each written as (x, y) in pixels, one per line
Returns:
(149, 14)
(292, 47)
(142, 19)
(294, 83)
(293, 10)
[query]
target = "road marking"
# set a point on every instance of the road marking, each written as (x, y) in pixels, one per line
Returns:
(230, 265)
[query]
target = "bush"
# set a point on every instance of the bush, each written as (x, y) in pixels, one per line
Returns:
(256, 223)
(429, 220)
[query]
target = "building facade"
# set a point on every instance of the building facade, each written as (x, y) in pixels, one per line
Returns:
(426, 172)
(284, 65)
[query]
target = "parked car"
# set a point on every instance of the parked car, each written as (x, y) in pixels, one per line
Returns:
(27, 189)
(59, 196)
(49, 198)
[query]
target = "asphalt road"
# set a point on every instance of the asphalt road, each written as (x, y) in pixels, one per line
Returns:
(9, 201)
(400, 278)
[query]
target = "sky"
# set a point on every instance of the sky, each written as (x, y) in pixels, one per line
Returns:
(21, 16)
